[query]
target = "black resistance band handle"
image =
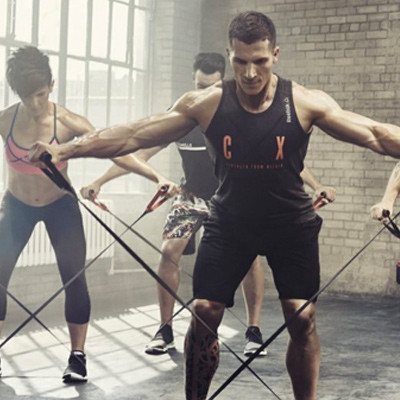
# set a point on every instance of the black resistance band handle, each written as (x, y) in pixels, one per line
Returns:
(54, 174)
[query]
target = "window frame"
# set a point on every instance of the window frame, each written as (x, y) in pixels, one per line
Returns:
(9, 42)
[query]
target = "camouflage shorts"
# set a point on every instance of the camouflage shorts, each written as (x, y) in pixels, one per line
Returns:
(186, 216)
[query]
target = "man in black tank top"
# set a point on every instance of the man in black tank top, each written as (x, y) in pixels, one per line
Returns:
(257, 128)
(188, 212)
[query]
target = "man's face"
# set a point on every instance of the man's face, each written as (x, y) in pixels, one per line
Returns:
(252, 64)
(202, 80)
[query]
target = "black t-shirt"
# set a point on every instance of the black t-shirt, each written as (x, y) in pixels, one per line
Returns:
(258, 159)
(199, 177)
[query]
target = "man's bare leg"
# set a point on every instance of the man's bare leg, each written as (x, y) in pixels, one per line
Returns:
(172, 250)
(304, 352)
(253, 286)
(202, 349)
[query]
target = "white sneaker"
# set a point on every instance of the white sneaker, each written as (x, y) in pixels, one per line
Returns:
(254, 341)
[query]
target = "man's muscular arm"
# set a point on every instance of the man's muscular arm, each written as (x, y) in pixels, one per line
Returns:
(315, 107)
(391, 192)
(119, 140)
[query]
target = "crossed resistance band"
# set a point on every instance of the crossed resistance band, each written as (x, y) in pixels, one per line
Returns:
(33, 315)
(57, 178)
(393, 228)
(52, 172)
(150, 207)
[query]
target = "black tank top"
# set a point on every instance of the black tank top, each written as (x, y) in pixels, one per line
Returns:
(199, 177)
(258, 159)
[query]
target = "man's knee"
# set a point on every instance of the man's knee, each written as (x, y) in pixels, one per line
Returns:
(210, 312)
(303, 326)
(172, 249)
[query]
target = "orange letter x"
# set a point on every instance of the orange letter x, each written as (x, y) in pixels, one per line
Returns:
(280, 140)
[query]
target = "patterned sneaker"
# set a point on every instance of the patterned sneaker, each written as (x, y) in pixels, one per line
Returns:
(76, 369)
(254, 341)
(161, 342)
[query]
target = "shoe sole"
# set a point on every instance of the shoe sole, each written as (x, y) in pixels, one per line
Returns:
(70, 378)
(156, 351)
(252, 349)
(249, 353)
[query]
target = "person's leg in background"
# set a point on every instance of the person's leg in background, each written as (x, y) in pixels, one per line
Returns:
(253, 286)
(168, 271)
(183, 221)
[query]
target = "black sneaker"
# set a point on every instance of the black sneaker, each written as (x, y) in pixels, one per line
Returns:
(161, 342)
(76, 369)
(254, 341)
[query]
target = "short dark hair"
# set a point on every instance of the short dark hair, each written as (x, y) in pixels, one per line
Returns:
(251, 26)
(28, 70)
(209, 63)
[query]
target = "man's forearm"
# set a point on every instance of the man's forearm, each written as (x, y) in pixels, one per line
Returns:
(120, 140)
(388, 137)
(393, 186)
(133, 164)
(309, 178)
(107, 143)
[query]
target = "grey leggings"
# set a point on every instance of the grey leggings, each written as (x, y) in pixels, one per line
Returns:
(63, 222)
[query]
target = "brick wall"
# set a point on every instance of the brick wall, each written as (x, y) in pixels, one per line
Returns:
(350, 49)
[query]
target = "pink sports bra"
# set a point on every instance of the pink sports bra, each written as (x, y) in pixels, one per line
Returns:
(17, 156)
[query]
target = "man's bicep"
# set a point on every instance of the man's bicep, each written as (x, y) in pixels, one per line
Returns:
(158, 130)
(350, 127)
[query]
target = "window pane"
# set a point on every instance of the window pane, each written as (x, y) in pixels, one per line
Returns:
(140, 36)
(100, 28)
(54, 63)
(3, 17)
(23, 20)
(85, 170)
(119, 96)
(119, 32)
(2, 76)
(97, 112)
(49, 24)
(144, 3)
(75, 86)
(139, 100)
(77, 27)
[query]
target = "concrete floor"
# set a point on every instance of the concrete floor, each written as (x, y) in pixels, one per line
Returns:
(361, 357)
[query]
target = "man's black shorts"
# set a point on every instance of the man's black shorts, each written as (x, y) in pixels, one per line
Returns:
(227, 250)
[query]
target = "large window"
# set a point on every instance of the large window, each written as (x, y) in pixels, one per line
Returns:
(99, 54)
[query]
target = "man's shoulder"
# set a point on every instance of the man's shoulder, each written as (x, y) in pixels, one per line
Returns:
(200, 96)
(199, 105)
